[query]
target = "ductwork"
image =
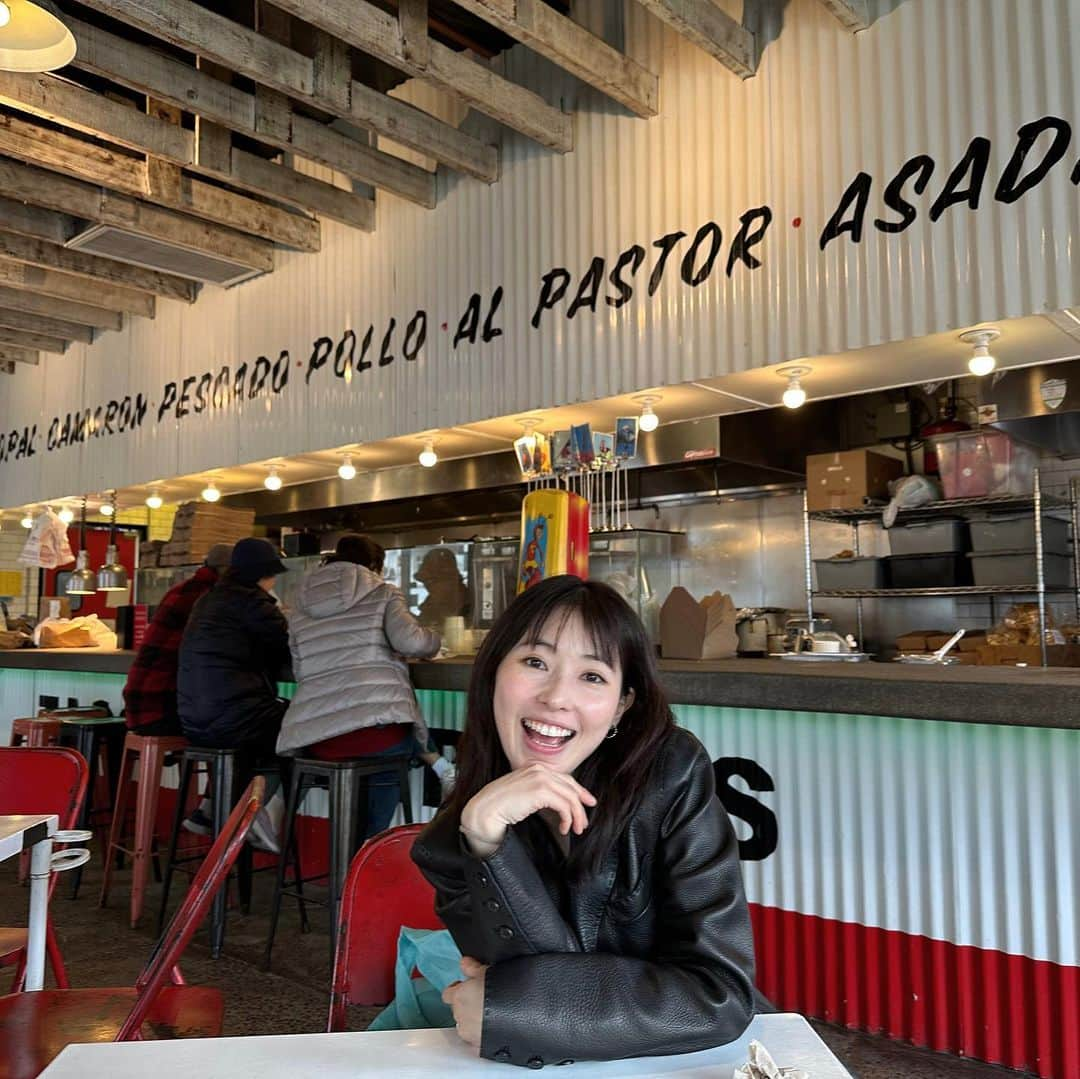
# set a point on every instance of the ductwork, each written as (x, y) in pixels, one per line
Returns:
(1038, 404)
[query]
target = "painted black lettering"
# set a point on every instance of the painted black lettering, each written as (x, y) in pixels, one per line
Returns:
(168, 399)
(385, 356)
(183, 405)
(259, 374)
(239, 381)
(490, 330)
(1011, 185)
(553, 286)
(631, 258)
(752, 228)
(415, 336)
(279, 379)
(469, 324)
(125, 413)
(711, 231)
(220, 397)
(854, 201)
(765, 834)
(666, 245)
(975, 162)
(363, 364)
(919, 168)
(110, 417)
(320, 352)
(589, 290)
(343, 354)
(54, 429)
(140, 410)
(201, 391)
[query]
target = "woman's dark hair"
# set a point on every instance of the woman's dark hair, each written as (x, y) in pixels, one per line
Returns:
(360, 550)
(618, 770)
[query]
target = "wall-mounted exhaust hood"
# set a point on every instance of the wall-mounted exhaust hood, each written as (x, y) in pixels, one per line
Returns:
(1038, 404)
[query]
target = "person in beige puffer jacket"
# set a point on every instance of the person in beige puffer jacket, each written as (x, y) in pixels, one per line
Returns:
(349, 633)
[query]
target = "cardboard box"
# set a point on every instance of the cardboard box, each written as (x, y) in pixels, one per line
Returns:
(692, 630)
(915, 640)
(971, 641)
(1009, 655)
(46, 609)
(840, 481)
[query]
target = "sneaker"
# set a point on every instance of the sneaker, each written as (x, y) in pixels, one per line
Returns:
(263, 834)
(198, 822)
(447, 780)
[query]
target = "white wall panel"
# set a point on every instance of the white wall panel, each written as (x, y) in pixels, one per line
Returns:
(927, 77)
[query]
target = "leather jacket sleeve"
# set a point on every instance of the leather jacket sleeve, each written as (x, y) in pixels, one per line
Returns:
(688, 984)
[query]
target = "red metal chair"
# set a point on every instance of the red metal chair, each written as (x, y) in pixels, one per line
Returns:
(383, 891)
(40, 781)
(35, 1027)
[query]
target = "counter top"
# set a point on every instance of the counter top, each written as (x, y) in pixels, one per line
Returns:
(1015, 696)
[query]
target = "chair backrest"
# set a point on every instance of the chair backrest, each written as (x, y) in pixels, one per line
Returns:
(383, 891)
(211, 876)
(43, 781)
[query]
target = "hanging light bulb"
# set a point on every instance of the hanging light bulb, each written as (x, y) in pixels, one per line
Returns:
(649, 420)
(794, 396)
(981, 362)
(210, 493)
(32, 39)
(107, 509)
(66, 515)
(273, 480)
(28, 519)
(347, 470)
(154, 499)
(428, 457)
(83, 580)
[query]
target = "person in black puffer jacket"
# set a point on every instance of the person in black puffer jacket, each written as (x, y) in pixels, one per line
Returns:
(234, 648)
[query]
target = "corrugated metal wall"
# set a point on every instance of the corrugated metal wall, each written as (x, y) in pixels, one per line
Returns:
(925, 78)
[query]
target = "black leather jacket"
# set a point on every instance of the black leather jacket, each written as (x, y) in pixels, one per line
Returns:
(652, 955)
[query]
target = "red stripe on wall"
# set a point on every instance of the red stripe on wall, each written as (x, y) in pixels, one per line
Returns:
(1004, 1009)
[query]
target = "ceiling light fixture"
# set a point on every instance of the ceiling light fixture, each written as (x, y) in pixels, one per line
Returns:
(210, 493)
(83, 580)
(66, 515)
(428, 457)
(154, 499)
(113, 575)
(981, 362)
(107, 509)
(649, 420)
(32, 39)
(347, 470)
(794, 396)
(273, 480)
(28, 519)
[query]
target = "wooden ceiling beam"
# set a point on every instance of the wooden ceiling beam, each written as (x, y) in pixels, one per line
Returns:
(37, 223)
(76, 157)
(570, 46)
(374, 31)
(62, 286)
(87, 200)
(148, 71)
(712, 29)
(853, 14)
(38, 342)
(53, 327)
(51, 257)
(11, 356)
(85, 314)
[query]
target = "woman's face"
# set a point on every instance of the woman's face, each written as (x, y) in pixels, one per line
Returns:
(555, 701)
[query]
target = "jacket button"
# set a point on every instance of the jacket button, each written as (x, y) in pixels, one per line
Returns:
(482, 879)
(502, 1055)
(493, 905)
(505, 932)
(535, 1062)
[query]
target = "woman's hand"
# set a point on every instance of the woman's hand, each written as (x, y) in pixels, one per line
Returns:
(466, 1000)
(517, 795)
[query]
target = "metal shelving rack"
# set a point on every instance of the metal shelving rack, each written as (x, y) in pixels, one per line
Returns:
(1036, 503)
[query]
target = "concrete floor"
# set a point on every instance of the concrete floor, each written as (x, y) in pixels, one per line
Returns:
(100, 948)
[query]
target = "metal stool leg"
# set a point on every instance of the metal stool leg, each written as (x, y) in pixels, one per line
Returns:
(174, 837)
(344, 807)
(222, 786)
(296, 787)
(403, 789)
(116, 831)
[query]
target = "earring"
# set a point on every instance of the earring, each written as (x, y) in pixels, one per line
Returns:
(614, 731)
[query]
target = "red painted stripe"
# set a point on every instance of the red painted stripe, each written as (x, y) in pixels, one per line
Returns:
(974, 1002)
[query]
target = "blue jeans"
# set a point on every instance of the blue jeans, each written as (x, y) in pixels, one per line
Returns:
(383, 788)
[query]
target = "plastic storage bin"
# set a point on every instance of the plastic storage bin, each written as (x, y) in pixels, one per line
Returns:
(1018, 534)
(947, 570)
(839, 574)
(929, 537)
(1018, 568)
(974, 464)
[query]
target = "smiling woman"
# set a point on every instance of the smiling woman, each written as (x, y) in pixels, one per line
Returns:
(584, 865)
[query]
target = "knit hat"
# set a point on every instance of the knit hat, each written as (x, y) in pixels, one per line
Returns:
(252, 559)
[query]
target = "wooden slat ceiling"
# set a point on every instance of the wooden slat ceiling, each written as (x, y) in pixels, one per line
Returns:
(185, 122)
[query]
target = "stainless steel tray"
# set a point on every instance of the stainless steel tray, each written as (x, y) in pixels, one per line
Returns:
(822, 657)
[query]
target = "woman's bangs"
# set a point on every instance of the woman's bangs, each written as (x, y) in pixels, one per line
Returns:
(599, 620)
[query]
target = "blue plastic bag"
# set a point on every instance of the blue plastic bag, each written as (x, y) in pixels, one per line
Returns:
(417, 1002)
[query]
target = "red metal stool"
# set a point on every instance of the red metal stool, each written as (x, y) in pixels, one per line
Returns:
(35, 732)
(150, 752)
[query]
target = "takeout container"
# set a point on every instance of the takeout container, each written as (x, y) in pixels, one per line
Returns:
(693, 630)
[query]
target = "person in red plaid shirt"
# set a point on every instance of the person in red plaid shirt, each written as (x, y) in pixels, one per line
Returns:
(150, 690)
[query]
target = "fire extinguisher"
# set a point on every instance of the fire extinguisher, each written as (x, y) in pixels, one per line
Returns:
(946, 423)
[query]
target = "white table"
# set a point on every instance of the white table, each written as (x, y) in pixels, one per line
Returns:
(32, 832)
(419, 1054)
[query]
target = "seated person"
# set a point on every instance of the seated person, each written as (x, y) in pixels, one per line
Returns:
(583, 863)
(349, 633)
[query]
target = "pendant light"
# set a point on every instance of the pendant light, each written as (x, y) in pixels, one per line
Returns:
(32, 39)
(82, 581)
(273, 480)
(210, 492)
(981, 362)
(154, 500)
(347, 470)
(66, 515)
(648, 420)
(113, 575)
(428, 457)
(794, 396)
(28, 519)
